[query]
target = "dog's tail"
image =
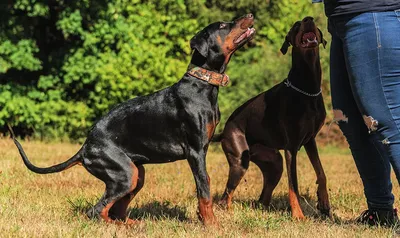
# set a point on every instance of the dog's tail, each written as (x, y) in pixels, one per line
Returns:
(216, 138)
(52, 169)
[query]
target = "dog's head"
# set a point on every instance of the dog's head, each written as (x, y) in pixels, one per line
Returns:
(214, 45)
(303, 36)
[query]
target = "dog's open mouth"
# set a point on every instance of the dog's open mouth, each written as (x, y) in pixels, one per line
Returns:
(309, 40)
(247, 35)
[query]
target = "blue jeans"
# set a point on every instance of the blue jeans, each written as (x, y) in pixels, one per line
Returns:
(365, 87)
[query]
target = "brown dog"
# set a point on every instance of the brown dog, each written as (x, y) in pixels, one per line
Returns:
(286, 117)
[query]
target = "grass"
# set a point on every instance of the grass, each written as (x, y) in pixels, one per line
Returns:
(33, 205)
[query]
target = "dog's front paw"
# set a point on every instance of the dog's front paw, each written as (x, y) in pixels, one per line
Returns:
(131, 222)
(298, 215)
(210, 221)
(326, 213)
(91, 213)
(226, 201)
(323, 203)
(325, 209)
(224, 204)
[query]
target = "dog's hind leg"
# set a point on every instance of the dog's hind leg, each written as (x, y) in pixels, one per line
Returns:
(322, 192)
(270, 163)
(120, 176)
(118, 210)
(238, 156)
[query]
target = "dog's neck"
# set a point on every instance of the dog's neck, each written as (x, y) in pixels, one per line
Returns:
(309, 67)
(203, 87)
(200, 88)
(217, 64)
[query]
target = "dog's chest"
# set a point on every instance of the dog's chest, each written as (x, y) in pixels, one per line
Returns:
(200, 111)
(306, 119)
(308, 114)
(297, 120)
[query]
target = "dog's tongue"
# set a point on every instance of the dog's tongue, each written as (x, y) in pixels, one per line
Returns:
(244, 35)
(309, 36)
(241, 37)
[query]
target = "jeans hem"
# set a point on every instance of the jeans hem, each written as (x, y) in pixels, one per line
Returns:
(376, 207)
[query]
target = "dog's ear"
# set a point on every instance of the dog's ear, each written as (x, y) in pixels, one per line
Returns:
(285, 46)
(199, 43)
(322, 38)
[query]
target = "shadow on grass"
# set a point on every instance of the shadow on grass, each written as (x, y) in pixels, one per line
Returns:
(280, 204)
(153, 210)
(81, 205)
(157, 211)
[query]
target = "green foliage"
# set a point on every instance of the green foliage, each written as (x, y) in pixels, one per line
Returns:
(18, 56)
(63, 64)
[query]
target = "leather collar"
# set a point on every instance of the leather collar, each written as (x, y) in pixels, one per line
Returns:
(210, 77)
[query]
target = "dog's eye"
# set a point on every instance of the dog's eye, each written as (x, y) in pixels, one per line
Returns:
(222, 25)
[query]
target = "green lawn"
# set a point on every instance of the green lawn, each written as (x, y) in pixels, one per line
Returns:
(33, 205)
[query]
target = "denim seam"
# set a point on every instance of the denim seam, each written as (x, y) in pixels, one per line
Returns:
(378, 36)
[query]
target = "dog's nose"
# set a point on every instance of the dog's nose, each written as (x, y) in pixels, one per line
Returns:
(249, 15)
(308, 19)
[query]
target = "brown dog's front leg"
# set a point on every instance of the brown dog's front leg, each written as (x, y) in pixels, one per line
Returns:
(322, 192)
(290, 157)
(206, 214)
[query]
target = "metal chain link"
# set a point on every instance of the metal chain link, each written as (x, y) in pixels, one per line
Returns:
(289, 84)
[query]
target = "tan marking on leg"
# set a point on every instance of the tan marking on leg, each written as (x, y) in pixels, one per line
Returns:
(104, 212)
(210, 130)
(135, 176)
(228, 199)
(118, 210)
(294, 204)
(293, 195)
(206, 214)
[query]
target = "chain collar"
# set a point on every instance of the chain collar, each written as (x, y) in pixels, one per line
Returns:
(289, 84)
(210, 77)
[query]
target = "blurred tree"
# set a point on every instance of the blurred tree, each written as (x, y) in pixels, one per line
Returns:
(63, 64)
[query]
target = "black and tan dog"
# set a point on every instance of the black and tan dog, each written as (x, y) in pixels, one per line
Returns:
(286, 117)
(175, 123)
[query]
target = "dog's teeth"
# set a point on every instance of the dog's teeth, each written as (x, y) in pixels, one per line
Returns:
(313, 40)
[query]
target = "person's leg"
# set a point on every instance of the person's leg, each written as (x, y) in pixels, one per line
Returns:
(372, 164)
(372, 52)
(387, 27)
